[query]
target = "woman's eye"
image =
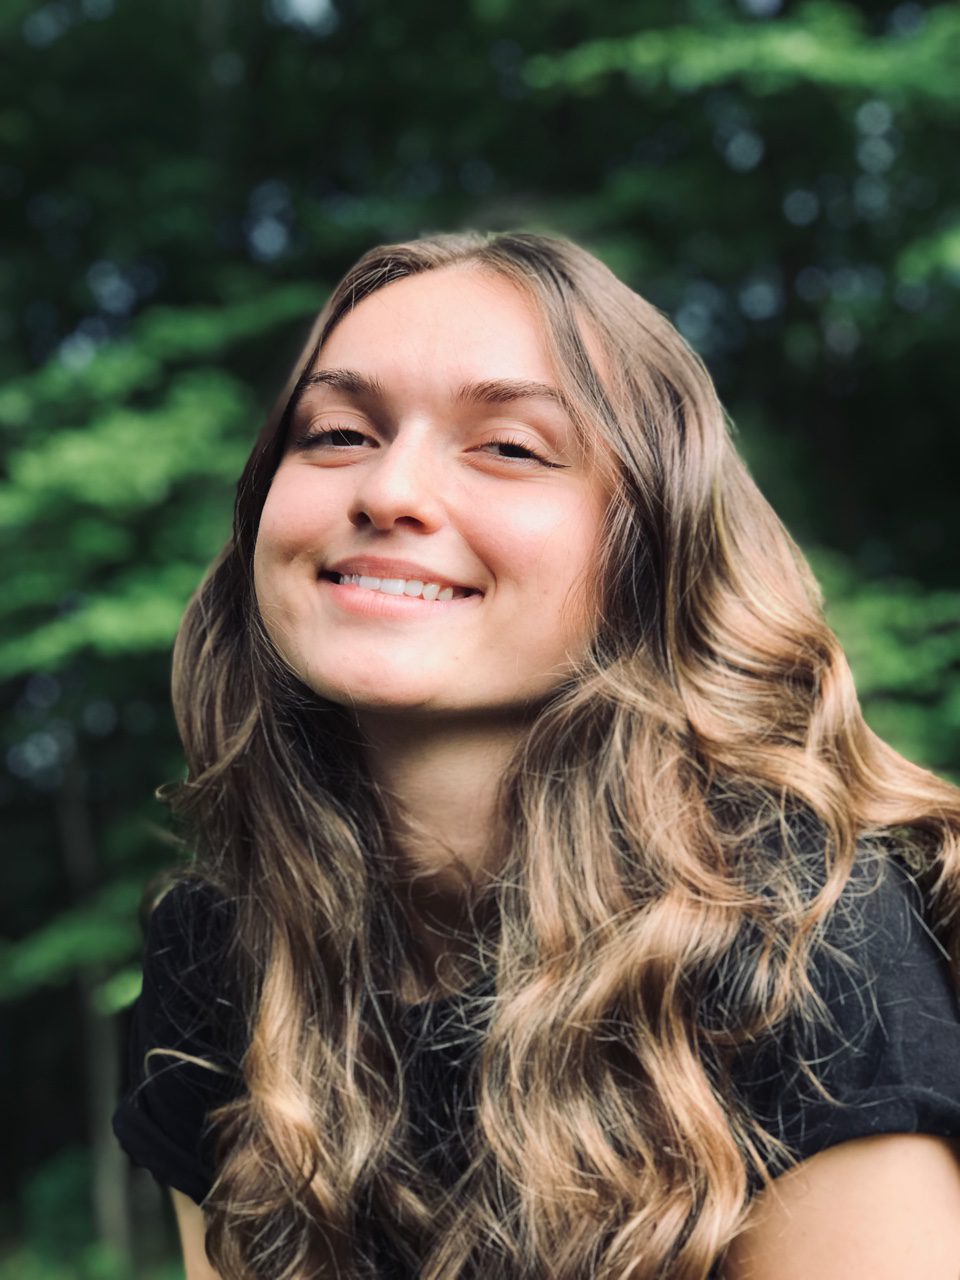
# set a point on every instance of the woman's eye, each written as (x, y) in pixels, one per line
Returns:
(515, 451)
(337, 437)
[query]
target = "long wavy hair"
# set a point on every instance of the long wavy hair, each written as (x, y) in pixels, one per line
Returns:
(684, 812)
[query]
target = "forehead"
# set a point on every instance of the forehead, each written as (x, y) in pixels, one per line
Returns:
(457, 336)
(452, 324)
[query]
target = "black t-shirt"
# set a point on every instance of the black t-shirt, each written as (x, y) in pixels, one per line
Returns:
(890, 1059)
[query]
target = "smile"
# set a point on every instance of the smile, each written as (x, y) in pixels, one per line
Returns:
(347, 596)
(411, 587)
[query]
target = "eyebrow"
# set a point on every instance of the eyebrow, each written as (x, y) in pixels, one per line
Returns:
(491, 391)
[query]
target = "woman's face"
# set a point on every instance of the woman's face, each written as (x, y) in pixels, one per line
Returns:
(429, 540)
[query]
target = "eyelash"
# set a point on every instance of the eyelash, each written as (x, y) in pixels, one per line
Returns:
(312, 438)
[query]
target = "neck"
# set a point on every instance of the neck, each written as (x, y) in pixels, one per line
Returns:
(440, 782)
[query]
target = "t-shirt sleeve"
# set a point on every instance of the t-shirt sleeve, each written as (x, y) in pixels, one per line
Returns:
(183, 1043)
(889, 1054)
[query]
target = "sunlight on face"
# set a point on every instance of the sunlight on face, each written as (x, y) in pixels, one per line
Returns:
(429, 540)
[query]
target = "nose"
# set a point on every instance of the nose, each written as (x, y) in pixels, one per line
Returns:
(400, 483)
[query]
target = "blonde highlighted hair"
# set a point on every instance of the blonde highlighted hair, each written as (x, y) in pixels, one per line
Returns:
(683, 814)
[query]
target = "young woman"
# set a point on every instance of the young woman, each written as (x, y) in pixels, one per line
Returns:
(554, 914)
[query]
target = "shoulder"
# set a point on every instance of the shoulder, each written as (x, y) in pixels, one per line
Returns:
(191, 914)
(189, 931)
(190, 996)
(885, 977)
(883, 1056)
(881, 915)
(185, 1036)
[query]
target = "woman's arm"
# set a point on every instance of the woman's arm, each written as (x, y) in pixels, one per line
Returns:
(191, 1225)
(887, 1207)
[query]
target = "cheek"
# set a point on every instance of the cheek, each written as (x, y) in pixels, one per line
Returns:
(525, 538)
(549, 552)
(573, 566)
(269, 552)
(291, 524)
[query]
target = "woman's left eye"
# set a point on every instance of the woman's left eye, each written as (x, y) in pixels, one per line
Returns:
(516, 451)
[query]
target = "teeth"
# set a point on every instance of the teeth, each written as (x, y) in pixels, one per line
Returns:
(402, 586)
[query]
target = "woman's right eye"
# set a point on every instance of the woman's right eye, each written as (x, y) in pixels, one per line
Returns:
(335, 437)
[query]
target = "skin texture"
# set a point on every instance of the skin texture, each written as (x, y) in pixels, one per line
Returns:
(191, 1227)
(886, 1207)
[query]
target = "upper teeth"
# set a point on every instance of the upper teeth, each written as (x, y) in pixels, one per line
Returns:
(403, 586)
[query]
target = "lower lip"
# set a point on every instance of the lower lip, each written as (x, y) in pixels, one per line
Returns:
(378, 604)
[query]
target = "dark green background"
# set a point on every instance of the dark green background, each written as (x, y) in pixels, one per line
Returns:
(180, 183)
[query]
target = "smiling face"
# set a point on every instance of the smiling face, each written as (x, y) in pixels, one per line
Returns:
(429, 540)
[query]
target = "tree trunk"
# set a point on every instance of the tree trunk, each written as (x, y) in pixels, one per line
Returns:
(101, 1048)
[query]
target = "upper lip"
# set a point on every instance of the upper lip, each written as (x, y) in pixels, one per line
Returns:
(377, 567)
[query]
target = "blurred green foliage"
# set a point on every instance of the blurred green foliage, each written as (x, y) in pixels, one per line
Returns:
(903, 645)
(179, 186)
(821, 44)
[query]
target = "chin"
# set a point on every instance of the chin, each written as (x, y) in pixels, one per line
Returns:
(360, 695)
